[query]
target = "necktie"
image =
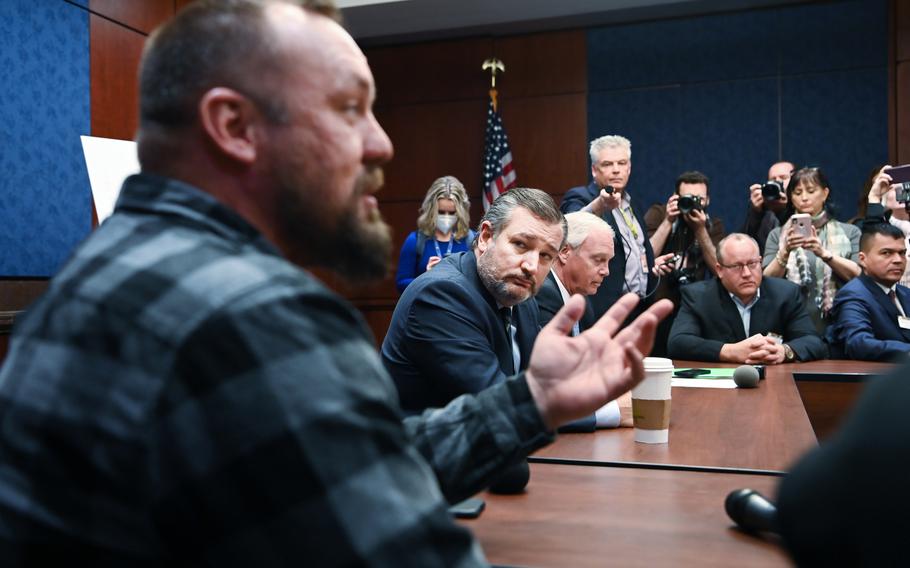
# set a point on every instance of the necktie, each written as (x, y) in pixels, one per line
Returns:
(506, 315)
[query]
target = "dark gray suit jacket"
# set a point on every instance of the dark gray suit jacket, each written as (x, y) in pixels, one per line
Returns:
(549, 300)
(708, 319)
(611, 288)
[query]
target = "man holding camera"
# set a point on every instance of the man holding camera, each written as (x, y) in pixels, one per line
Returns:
(768, 203)
(633, 267)
(683, 228)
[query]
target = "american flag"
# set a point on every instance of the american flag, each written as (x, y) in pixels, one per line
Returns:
(498, 173)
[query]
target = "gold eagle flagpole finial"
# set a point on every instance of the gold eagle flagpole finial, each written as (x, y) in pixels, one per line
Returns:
(493, 65)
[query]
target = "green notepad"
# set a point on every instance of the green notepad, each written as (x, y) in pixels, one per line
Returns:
(716, 373)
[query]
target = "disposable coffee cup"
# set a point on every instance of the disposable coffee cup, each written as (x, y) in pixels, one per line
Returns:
(651, 402)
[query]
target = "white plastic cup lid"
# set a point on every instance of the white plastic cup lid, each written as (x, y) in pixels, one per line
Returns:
(658, 364)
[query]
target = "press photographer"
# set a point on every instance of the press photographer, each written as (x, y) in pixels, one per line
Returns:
(768, 203)
(683, 226)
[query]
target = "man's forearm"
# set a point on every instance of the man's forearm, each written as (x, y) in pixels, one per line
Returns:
(470, 440)
(660, 236)
(708, 252)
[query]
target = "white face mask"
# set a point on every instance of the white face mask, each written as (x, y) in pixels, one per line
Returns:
(445, 222)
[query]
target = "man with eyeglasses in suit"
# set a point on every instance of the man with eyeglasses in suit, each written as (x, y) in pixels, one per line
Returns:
(741, 317)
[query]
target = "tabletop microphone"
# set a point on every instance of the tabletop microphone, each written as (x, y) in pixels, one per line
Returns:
(746, 376)
(752, 511)
(512, 480)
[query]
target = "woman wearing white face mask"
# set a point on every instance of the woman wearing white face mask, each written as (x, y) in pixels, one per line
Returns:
(443, 228)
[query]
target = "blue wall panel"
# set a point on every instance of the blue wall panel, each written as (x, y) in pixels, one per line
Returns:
(648, 117)
(840, 35)
(45, 202)
(729, 94)
(838, 121)
(724, 126)
(727, 46)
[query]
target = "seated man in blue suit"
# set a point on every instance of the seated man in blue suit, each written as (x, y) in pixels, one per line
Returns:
(466, 324)
(449, 333)
(471, 322)
(580, 268)
(870, 311)
(741, 317)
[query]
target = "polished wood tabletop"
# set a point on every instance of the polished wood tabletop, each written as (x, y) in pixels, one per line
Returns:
(600, 499)
(602, 516)
(764, 429)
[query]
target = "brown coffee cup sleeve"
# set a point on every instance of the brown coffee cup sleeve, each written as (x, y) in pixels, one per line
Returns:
(651, 414)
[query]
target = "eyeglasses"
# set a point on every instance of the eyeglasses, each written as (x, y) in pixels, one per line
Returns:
(751, 265)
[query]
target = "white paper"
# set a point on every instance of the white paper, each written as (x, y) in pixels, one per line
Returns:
(704, 383)
(109, 162)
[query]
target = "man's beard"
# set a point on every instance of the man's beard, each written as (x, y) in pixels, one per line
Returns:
(358, 250)
(499, 289)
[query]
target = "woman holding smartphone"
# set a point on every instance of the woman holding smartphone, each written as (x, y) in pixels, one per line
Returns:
(812, 248)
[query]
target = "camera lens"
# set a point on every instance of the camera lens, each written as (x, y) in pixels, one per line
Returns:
(772, 190)
(687, 203)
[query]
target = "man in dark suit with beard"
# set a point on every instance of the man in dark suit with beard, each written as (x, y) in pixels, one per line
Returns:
(471, 321)
(741, 317)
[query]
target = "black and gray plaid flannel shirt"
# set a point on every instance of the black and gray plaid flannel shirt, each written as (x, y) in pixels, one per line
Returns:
(183, 394)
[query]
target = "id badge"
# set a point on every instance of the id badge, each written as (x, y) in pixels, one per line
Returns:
(644, 263)
(903, 322)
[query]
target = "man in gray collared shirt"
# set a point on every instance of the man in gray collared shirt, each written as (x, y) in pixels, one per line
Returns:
(634, 264)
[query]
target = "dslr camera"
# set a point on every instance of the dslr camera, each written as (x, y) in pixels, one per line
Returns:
(682, 276)
(772, 190)
(689, 203)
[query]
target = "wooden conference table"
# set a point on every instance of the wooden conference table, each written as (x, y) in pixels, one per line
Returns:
(598, 499)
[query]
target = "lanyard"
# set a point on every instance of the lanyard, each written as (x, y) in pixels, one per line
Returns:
(629, 223)
(448, 250)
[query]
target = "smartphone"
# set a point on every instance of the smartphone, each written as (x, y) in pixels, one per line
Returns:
(691, 373)
(802, 224)
(467, 509)
(899, 174)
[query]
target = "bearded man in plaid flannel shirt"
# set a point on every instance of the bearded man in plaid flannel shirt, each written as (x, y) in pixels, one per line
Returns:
(185, 393)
